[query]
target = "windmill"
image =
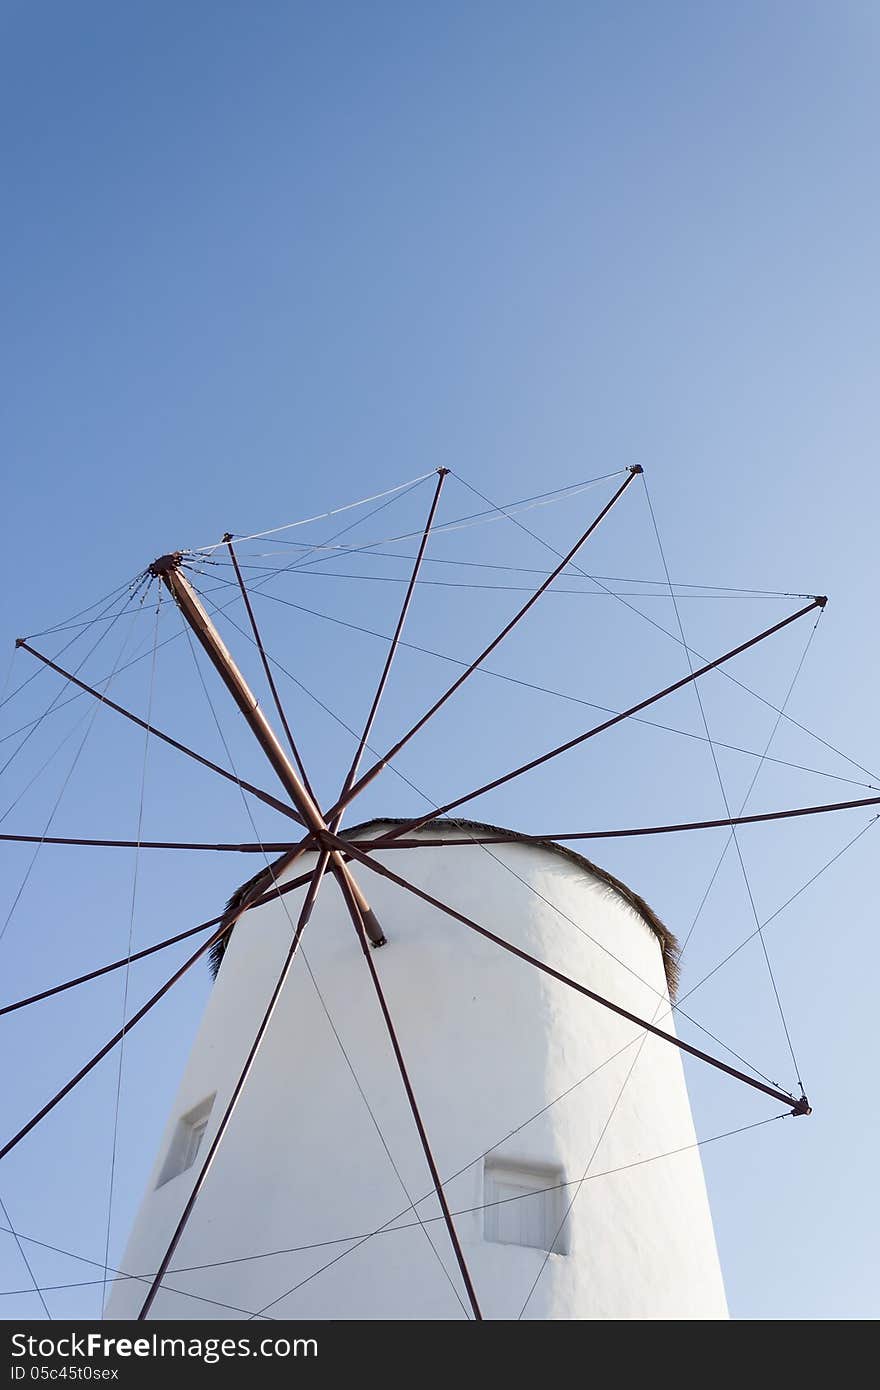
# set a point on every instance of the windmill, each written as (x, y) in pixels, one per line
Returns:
(466, 996)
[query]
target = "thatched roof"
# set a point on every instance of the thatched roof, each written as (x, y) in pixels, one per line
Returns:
(263, 881)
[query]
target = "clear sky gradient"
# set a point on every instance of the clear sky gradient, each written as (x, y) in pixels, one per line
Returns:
(259, 261)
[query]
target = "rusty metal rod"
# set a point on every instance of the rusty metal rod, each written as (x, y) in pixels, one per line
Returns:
(108, 1046)
(377, 767)
(361, 922)
(367, 845)
(413, 1103)
(168, 569)
(392, 650)
(799, 1106)
(277, 891)
(157, 733)
(514, 837)
(106, 969)
(499, 837)
(267, 668)
(276, 847)
(415, 824)
(224, 924)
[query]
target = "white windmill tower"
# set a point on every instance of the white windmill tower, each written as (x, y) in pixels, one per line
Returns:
(322, 1150)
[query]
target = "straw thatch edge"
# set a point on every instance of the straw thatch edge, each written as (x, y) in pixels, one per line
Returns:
(263, 881)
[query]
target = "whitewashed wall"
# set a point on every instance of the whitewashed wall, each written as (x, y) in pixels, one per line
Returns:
(489, 1042)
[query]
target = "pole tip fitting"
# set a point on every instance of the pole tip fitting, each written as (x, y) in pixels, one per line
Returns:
(20, 641)
(636, 468)
(372, 928)
(442, 472)
(821, 599)
(227, 537)
(802, 1107)
(165, 564)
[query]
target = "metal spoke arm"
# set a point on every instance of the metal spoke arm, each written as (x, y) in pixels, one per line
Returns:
(227, 920)
(377, 767)
(514, 837)
(305, 914)
(157, 733)
(111, 1043)
(499, 837)
(392, 650)
(107, 969)
(358, 925)
(265, 663)
(552, 753)
(366, 846)
(264, 846)
(223, 926)
(799, 1106)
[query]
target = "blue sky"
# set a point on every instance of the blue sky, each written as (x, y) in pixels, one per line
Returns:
(260, 261)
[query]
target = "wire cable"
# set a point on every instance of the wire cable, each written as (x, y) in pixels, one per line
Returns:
(487, 517)
(721, 785)
(27, 1264)
(113, 598)
(500, 588)
(660, 628)
(300, 559)
(64, 786)
(369, 553)
(467, 831)
(645, 1035)
(126, 979)
(320, 516)
(388, 1229)
(34, 724)
(558, 694)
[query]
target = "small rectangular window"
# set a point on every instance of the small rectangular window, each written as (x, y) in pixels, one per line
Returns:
(187, 1140)
(524, 1206)
(194, 1141)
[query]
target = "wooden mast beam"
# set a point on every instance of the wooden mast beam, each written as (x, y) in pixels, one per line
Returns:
(168, 569)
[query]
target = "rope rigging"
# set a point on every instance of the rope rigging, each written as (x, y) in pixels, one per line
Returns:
(509, 588)
(472, 838)
(321, 516)
(35, 1285)
(657, 1012)
(369, 553)
(339, 855)
(34, 724)
(720, 778)
(474, 518)
(102, 698)
(388, 1228)
(108, 599)
(700, 657)
(130, 946)
(482, 670)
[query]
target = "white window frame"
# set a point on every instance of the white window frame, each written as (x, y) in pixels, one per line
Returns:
(525, 1204)
(187, 1140)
